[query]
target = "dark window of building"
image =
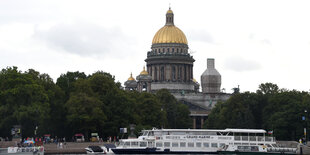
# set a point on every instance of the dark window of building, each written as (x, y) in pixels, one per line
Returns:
(173, 73)
(162, 73)
(168, 50)
(185, 73)
(172, 49)
(180, 73)
(155, 74)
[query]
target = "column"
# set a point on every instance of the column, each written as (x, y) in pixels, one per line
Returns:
(194, 122)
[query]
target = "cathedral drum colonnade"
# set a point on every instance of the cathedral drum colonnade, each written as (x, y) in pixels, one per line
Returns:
(169, 65)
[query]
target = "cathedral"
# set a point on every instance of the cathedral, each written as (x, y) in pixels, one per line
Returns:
(169, 65)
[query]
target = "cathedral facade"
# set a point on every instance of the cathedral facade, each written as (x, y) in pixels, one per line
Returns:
(169, 65)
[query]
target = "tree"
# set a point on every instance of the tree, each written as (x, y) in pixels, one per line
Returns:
(23, 101)
(177, 113)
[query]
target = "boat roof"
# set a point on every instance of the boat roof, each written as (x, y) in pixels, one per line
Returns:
(246, 130)
(212, 130)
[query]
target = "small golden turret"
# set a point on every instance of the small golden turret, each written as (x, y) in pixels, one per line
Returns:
(131, 78)
(144, 72)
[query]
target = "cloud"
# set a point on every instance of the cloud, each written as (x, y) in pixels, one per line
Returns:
(262, 41)
(239, 64)
(85, 39)
(200, 35)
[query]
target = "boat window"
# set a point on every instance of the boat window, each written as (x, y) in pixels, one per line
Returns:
(222, 145)
(198, 144)
(175, 144)
(260, 138)
(145, 133)
(244, 148)
(167, 144)
(134, 143)
(213, 144)
(151, 133)
(245, 138)
(182, 144)
(142, 144)
(150, 144)
(127, 144)
(206, 144)
(159, 144)
(252, 138)
(237, 137)
(190, 144)
(121, 143)
(254, 148)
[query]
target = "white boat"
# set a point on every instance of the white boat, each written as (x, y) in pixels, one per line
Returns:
(26, 150)
(199, 141)
(94, 149)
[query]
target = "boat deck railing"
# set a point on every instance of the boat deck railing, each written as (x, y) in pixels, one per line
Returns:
(254, 138)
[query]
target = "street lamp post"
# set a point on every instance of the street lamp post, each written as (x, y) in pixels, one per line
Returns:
(306, 125)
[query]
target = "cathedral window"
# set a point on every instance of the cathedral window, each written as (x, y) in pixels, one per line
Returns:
(180, 73)
(162, 73)
(173, 73)
(155, 74)
(185, 74)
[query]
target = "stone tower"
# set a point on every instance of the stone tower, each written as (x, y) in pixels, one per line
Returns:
(144, 81)
(169, 63)
(211, 79)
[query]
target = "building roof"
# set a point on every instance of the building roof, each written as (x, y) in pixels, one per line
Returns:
(169, 33)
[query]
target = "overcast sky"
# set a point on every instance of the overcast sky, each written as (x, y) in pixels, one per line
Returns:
(252, 41)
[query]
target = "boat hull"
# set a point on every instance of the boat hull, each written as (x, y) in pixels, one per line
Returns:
(254, 153)
(155, 151)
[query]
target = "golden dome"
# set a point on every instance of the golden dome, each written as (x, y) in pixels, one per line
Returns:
(131, 78)
(169, 11)
(169, 34)
(144, 72)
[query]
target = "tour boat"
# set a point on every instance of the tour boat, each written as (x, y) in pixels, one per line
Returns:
(200, 141)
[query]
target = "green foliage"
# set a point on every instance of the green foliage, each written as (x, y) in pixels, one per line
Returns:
(23, 101)
(269, 108)
(176, 112)
(81, 104)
